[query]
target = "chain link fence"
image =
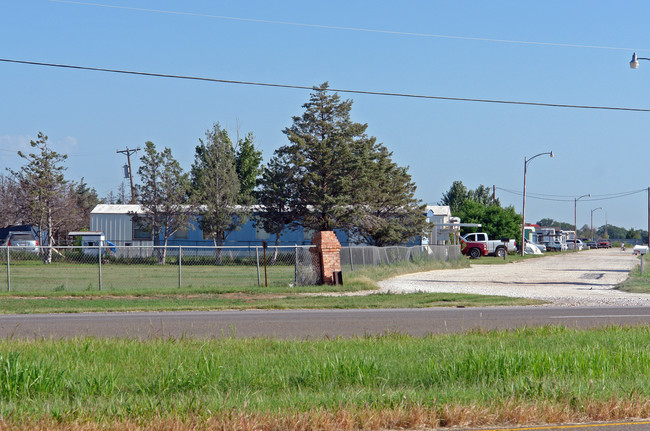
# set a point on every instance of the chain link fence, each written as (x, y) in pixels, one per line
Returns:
(75, 268)
(354, 258)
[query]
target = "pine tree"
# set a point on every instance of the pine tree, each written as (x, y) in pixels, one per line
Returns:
(322, 158)
(43, 182)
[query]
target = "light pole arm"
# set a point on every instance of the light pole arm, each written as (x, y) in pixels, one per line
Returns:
(634, 64)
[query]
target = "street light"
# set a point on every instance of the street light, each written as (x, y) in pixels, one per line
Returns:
(523, 211)
(634, 64)
(592, 221)
(575, 218)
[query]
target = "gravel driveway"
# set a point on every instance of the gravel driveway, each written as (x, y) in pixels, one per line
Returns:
(586, 278)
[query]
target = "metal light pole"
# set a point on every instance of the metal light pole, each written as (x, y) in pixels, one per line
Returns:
(592, 221)
(634, 64)
(523, 210)
(575, 218)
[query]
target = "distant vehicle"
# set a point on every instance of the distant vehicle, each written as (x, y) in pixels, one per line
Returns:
(604, 243)
(473, 249)
(23, 239)
(556, 246)
(592, 244)
(495, 247)
(539, 245)
(573, 244)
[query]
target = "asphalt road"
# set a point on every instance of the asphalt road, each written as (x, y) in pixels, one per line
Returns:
(299, 324)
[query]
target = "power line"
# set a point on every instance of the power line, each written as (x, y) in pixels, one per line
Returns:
(302, 87)
(561, 198)
(358, 29)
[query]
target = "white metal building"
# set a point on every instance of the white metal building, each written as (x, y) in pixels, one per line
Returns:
(116, 222)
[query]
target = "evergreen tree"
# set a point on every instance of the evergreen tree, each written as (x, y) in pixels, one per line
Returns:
(390, 212)
(321, 155)
(43, 183)
(275, 197)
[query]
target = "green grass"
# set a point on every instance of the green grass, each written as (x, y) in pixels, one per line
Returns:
(103, 380)
(202, 302)
(148, 295)
(637, 282)
(29, 276)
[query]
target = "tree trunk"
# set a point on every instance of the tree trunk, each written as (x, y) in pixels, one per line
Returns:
(218, 251)
(275, 251)
(47, 256)
(162, 253)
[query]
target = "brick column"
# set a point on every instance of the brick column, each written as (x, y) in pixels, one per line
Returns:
(328, 249)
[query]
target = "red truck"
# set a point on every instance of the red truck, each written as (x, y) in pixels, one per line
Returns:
(473, 249)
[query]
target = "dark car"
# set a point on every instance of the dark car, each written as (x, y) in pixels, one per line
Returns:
(592, 244)
(604, 243)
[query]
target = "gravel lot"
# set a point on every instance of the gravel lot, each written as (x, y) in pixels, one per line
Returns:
(586, 278)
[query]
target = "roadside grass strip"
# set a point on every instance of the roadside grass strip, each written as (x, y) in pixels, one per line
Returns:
(542, 375)
(637, 282)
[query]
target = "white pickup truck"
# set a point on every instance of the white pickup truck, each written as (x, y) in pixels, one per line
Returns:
(495, 247)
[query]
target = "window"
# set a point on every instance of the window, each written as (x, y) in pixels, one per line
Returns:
(141, 229)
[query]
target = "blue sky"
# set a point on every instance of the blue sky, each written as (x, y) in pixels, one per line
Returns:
(554, 52)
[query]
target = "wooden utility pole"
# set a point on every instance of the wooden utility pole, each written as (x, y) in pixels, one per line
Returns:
(128, 153)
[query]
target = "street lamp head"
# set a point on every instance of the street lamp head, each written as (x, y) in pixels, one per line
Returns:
(552, 155)
(634, 64)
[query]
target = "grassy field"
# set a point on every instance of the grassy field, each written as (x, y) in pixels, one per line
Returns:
(525, 376)
(34, 276)
(151, 296)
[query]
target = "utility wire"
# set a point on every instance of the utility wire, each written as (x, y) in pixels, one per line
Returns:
(542, 197)
(367, 30)
(302, 87)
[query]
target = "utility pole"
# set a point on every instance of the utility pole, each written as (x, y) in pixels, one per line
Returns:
(128, 153)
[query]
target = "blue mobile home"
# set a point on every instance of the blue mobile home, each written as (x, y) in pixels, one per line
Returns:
(116, 221)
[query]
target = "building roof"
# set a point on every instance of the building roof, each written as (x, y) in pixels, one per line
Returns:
(439, 210)
(116, 209)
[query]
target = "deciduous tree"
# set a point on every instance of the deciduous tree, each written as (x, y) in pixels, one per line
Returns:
(163, 195)
(216, 187)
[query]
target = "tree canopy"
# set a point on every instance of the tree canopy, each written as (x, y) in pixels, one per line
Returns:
(44, 188)
(216, 186)
(163, 194)
(341, 178)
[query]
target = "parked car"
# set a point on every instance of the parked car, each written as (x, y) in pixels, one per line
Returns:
(23, 239)
(573, 244)
(539, 245)
(592, 244)
(495, 247)
(604, 243)
(556, 246)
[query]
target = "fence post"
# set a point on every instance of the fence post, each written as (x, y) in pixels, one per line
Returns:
(99, 259)
(295, 260)
(257, 257)
(8, 273)
(180, 257)
(350, 254)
